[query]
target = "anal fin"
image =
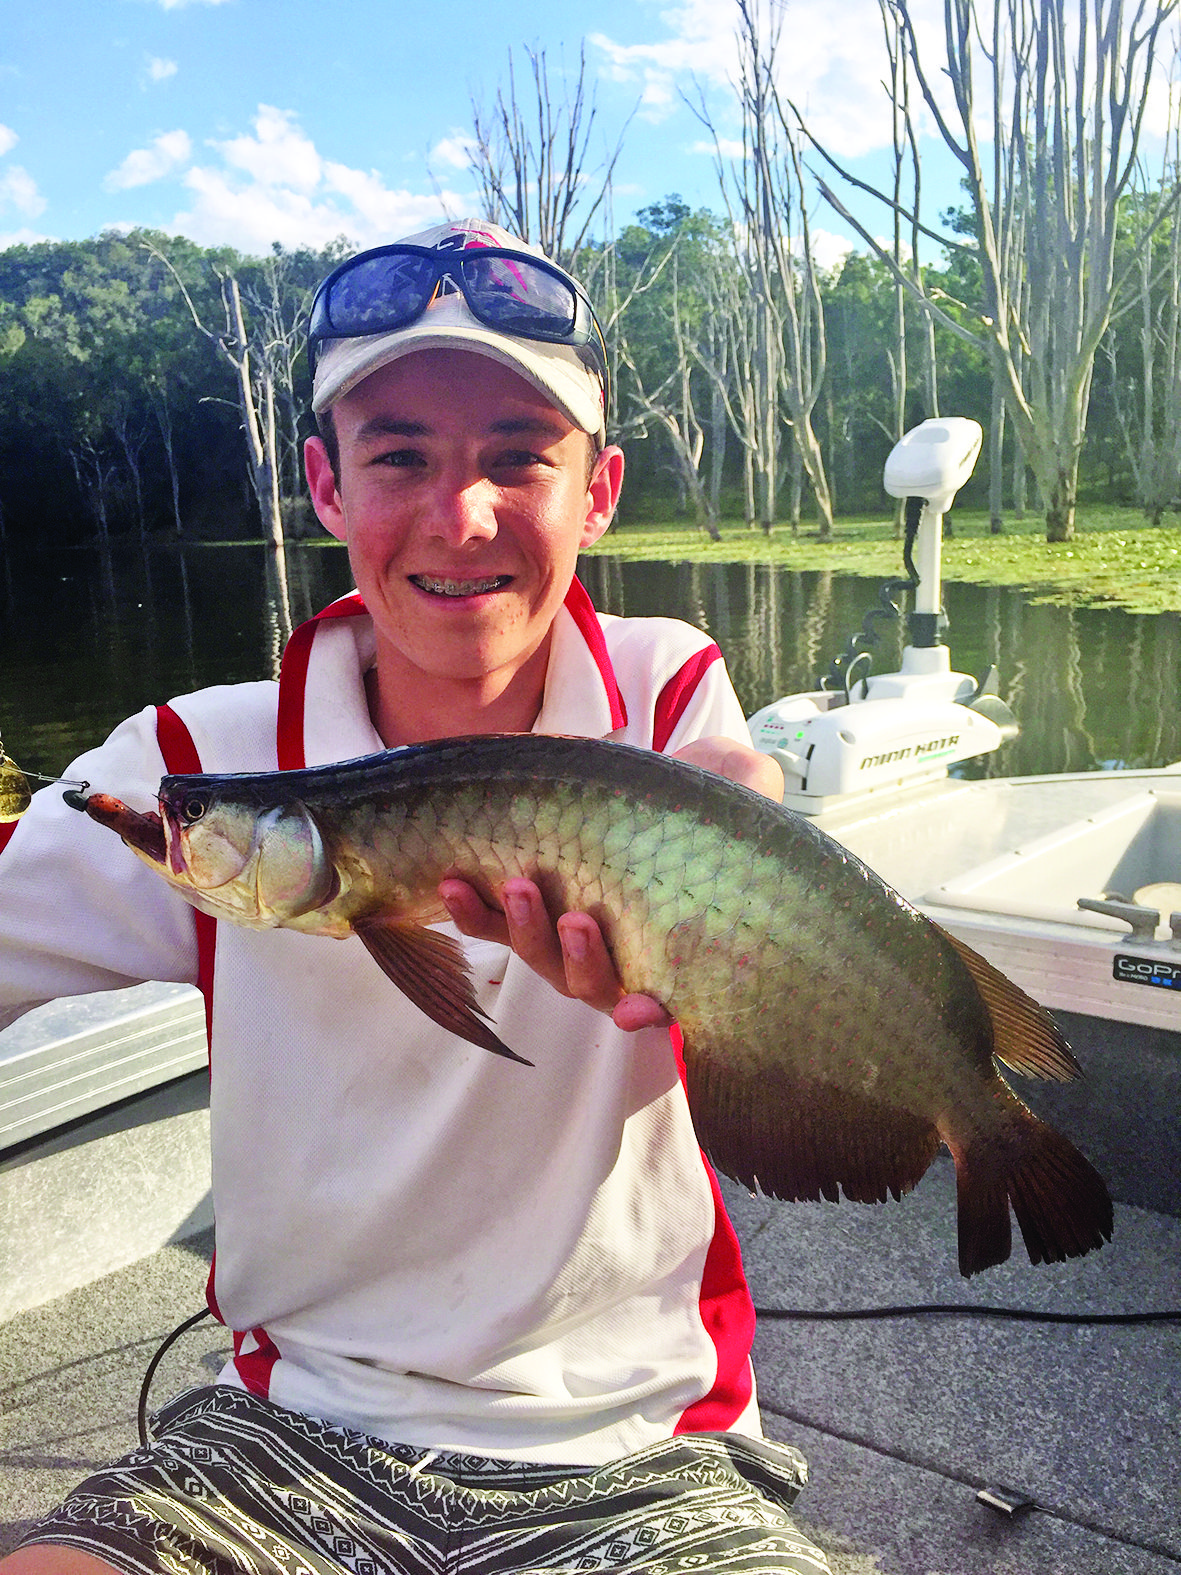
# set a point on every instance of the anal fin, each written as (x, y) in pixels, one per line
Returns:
(800, 1140)
(430, 970)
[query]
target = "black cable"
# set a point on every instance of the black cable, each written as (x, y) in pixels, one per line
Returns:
(843, 669)
(787, 1314)
(960, 1310)
(141, 1415)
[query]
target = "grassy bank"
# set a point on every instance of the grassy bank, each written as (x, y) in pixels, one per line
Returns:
(1115, 560)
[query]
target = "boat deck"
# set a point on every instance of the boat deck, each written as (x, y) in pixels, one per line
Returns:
(902, 1420)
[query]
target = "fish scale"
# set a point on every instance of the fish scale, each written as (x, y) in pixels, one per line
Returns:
(834, 1037)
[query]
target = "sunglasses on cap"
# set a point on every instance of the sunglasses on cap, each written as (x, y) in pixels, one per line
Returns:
(511, 292)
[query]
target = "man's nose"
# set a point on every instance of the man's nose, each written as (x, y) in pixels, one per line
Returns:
(465, 509)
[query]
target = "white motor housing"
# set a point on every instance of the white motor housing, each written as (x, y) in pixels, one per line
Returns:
(838, 753)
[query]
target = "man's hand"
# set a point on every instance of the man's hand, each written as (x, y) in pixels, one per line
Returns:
(739, 762)
(570, 952)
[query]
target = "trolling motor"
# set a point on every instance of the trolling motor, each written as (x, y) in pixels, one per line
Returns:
(862, 733)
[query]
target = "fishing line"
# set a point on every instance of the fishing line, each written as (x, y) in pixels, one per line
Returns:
(959, 1310)
(70, 782)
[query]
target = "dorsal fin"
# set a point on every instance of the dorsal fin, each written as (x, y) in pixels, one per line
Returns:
(1025, 1036)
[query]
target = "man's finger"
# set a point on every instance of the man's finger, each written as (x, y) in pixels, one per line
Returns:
(590, 972)
(471, 914)
(640, 1011)
(531, 931)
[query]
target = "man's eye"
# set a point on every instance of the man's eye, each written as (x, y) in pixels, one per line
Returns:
(518, 459)
(399, 458)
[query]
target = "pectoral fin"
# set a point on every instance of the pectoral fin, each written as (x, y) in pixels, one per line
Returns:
(431, 971)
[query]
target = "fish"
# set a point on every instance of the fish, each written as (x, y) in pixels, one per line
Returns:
(835, 1039)
(15, 796)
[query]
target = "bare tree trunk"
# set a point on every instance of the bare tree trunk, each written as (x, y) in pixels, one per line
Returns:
(258, 426)
(765, 201)
(132, 449)
(717, 449)
(163, 411)
(1148, 410)
(996, 462)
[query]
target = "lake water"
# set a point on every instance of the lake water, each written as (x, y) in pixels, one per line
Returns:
(82, 647)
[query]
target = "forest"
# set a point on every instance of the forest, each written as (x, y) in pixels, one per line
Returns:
(151, 388)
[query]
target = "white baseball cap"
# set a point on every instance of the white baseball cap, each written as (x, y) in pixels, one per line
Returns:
(558, 371)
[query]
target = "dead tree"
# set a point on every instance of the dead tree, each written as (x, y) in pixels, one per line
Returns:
(1148, 406)
(764, 196)
(533, 160)
(671, 406)
(255, 387)
(1065, 85)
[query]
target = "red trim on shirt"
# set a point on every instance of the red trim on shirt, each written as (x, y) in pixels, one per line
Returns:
(727, 1312)
(293, 677)
(6, 831)
(293, 674)
(210, 1292)
(254, 1368)
(180, 756)
(582, 610)
(677, 693)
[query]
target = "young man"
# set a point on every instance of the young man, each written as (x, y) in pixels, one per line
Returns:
(486, 1316)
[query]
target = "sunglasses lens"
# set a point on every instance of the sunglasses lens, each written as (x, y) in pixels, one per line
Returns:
(516, 298)
(380, 294)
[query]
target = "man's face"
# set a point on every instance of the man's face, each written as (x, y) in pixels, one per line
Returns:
(464, 500)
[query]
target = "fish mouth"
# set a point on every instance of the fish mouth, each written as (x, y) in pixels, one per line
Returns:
(144, 833)
(450, 586)
(174, 845)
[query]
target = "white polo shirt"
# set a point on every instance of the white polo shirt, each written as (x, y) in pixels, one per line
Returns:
(414, 1237)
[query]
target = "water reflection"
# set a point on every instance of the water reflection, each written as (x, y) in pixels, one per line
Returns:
(1091, 689)
(81, 648)
(85, 643)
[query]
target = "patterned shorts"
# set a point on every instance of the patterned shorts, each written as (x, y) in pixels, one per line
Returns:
(234, 1483)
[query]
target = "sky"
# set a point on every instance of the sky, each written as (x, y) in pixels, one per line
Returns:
(244, 122)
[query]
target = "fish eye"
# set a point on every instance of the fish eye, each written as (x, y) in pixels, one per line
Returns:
(192, 810)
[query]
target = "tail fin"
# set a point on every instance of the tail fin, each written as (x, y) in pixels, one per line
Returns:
(1061, 1202)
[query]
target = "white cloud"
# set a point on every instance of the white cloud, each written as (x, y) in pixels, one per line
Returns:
(454, 151)
(159, 69)
(831, 61)
(142, 166)
(274, 185)
(278, 154)
(22, 237)
(178, 5)
(18, 190)
(8, 140)
(728, 147)
(828, 248)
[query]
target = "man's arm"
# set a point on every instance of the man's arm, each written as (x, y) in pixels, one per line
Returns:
(570, 952)
(78, 911)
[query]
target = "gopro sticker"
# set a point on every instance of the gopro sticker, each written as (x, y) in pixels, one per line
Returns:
(1147, 970)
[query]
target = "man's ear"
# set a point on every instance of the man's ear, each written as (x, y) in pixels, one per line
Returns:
(602, 493)
(322, 486)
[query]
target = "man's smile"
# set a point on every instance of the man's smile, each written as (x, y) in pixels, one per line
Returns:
(441, 585)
